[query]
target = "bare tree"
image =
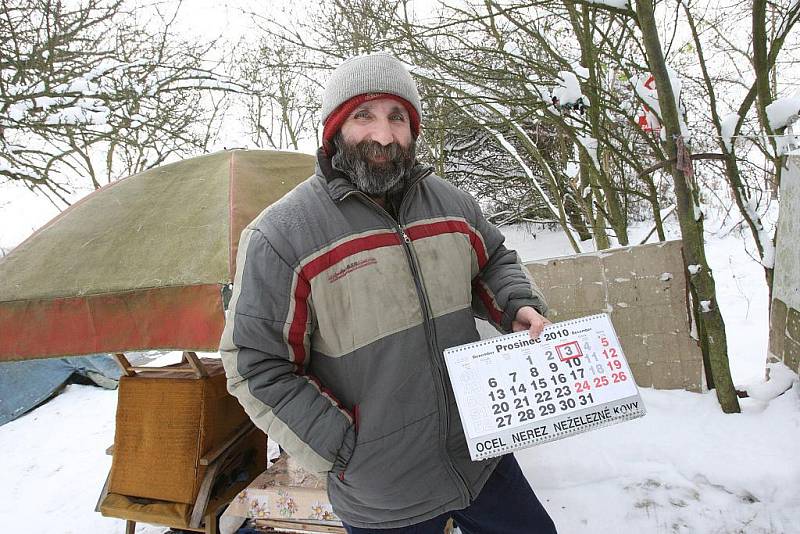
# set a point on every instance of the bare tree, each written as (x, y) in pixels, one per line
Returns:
(95, 90)
(718, 91)
(533, 106)
(710, 323)
(282, 102)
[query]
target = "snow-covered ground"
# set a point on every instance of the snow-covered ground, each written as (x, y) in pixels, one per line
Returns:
(685, 467)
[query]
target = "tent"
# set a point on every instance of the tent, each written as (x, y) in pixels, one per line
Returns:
(143, 263)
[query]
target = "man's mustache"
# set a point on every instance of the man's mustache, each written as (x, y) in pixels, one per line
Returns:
(373, 149)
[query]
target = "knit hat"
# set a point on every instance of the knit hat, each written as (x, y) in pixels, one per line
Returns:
(364, 78)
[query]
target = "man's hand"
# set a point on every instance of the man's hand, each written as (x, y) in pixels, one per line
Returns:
(529, 319)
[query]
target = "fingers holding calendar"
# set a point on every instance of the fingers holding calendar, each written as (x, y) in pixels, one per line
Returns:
(528, 318)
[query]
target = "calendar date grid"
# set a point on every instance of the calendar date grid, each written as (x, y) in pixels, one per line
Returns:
(567, 376)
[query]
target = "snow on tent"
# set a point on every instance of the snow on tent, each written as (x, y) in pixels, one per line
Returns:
(143, 263)
(147, 263)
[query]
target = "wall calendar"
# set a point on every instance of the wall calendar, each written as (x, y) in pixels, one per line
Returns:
(514, 392)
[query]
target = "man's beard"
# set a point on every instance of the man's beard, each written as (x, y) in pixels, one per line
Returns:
(376, 179)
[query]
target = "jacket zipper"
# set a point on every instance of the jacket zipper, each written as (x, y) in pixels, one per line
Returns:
(438, 366)
(430, 333)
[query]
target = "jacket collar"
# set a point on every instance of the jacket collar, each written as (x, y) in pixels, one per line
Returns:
(340, 185)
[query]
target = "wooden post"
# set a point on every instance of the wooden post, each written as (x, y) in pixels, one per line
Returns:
(123, 362)
(196, 364)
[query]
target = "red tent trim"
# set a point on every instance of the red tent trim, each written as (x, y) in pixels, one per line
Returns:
(181, 318)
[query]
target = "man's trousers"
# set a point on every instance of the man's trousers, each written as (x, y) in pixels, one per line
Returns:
(505, 505)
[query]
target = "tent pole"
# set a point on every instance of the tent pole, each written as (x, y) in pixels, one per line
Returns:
(123, 362)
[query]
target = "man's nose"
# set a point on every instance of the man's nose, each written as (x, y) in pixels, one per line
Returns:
(382, 133)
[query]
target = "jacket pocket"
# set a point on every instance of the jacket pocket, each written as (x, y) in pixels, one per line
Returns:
(345, 452)
(343, 459)
(400, 471)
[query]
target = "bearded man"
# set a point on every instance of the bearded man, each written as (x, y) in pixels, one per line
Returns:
(346, 293)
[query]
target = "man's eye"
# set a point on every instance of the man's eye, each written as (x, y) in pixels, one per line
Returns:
(398, 117)
(361, 115)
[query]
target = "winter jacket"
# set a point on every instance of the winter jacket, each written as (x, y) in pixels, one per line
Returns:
(335, 332)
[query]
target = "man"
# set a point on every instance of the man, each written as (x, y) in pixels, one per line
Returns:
(346, 293)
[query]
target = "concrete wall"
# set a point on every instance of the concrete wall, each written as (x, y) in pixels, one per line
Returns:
(644, 290)
(784, 332)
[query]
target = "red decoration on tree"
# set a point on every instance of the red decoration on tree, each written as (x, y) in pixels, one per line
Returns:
(648, 120)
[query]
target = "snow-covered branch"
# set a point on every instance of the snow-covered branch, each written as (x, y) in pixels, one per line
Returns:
(88, 93)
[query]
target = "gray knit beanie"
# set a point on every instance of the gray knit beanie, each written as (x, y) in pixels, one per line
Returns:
(372, 73)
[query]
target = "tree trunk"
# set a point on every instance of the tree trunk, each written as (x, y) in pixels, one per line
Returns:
(599, 180)
(656, 206)
(762, 68)
(711, 326)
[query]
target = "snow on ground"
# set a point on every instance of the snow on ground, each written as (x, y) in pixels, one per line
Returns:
(684, 468)
(54, 465)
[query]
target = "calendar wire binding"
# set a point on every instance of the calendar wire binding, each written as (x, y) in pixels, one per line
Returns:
(562, 324)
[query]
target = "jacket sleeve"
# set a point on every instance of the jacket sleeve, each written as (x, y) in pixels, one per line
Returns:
(503, 285)
(265, 349)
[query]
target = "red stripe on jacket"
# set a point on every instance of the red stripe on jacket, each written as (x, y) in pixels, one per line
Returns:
(488, 300)
(297, 328)
(451, 226)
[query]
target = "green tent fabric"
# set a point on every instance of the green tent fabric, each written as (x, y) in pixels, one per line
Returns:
(142, 263)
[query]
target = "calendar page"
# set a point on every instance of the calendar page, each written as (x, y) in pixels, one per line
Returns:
(515, 392)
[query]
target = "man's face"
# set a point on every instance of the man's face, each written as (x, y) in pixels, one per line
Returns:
(384, 121)
(375, 147)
